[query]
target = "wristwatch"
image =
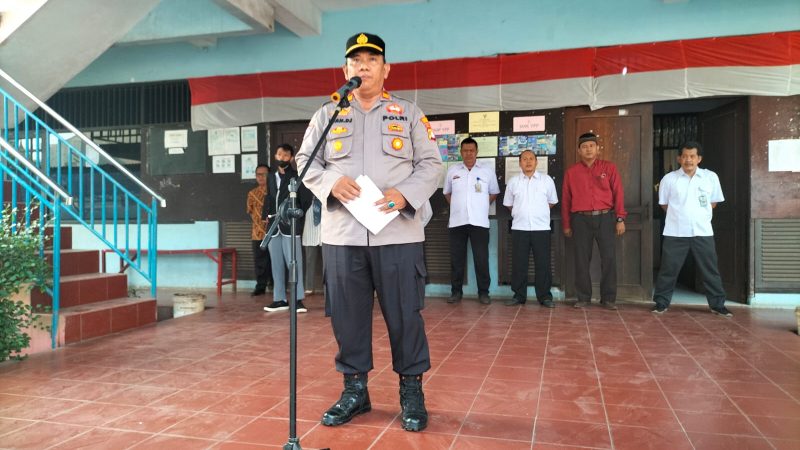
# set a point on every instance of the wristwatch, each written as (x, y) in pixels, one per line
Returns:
(620, 219)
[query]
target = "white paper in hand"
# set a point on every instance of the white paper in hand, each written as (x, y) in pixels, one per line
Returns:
(363, 207)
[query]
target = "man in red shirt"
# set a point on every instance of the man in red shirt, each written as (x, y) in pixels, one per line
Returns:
(593, 209)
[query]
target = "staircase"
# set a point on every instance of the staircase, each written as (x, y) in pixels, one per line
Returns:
(92, 303)
(41, 167)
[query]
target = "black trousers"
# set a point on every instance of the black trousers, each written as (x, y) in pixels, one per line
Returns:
(522, 243)
(396, 273)
(479, 238)
(673, 254)
(262, 266)
(586, 230)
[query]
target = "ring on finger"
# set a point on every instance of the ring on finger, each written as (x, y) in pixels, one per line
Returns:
(391, 205)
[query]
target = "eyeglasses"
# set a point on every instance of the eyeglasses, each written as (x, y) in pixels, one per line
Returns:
(261, 174)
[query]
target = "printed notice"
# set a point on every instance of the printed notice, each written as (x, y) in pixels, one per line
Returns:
(249, 139)
(484, 122)
(528, 123)
(784, 155)
(223, 164)
(487, 146)
(442, 127)
(176, 138)
(363, 207)
(249, 163)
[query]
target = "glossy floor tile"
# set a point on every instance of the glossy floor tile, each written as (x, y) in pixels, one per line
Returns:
(520, 377)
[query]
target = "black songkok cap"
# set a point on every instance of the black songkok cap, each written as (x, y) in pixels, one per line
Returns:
(586, 137)
(365, 41)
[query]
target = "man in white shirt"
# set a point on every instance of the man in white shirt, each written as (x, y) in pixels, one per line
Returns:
(470, 189)
(689, 195)
(529, 196)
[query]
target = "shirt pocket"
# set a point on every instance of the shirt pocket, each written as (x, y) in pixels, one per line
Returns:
(339, 141)
(396, 138)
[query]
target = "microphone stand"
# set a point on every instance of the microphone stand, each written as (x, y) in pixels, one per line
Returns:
(288, 211)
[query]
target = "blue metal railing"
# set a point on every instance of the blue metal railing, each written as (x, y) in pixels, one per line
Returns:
(80, 174)
(44, 197)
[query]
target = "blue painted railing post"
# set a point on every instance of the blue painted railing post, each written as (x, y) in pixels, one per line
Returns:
(56, 272)
(152, 232)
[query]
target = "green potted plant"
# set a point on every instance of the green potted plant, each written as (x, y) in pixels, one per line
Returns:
(21, 269)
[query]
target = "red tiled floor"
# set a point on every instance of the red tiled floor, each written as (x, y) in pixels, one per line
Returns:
(101, 439)
(502, 378)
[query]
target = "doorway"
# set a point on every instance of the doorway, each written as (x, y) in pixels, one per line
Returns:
(721, 126)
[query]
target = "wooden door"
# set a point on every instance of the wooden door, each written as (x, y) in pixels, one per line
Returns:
(723, 135)
(286, 133)
(626, 139)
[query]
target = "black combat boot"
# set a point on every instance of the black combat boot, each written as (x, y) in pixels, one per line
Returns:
(354, 401)
(412, 403)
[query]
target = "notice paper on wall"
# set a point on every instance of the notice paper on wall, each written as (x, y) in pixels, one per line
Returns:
(487, 146)
(784, 155)
(176, 138)
(484, 122)
(528, 123)
(223, 164)
(249, 139)
(249, 163)
(442, 127)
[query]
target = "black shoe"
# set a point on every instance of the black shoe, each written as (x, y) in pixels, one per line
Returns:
(484, 299)
(412, 403)
(514, 302)
(722, 311)
(354, 401)
(660, 309)
(548, 303)
(611, 306)
(581, 304)
(257, 292)
(277, 306)
(301, 308)
(454, 298)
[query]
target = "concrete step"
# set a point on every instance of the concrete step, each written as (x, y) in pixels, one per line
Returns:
(76, 262)
(84, 289)
(103, 318)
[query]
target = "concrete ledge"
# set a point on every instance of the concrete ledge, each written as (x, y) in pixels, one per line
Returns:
(764, 300)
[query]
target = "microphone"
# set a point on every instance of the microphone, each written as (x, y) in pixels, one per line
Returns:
(345, 90)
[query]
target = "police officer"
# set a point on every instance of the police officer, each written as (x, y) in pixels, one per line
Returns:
(388, 139)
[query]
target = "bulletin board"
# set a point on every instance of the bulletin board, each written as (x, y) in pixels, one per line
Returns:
(159, 161)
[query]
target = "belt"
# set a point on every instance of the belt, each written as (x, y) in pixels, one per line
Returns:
(593, 213)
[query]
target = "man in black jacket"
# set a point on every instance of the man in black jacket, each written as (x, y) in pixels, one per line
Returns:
(280, 246)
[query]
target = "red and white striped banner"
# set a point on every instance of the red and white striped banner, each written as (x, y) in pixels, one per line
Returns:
(764, 64)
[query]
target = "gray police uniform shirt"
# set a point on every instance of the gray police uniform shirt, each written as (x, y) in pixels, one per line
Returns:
(394, 145)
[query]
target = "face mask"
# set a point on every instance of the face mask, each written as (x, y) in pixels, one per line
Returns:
(283, 164)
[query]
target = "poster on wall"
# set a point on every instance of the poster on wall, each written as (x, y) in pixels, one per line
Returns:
(525, 124)
(443, 127)
(484, 122)
(540, 144)
(249, 139)
(223, 164)
(784, 155)
(487, 146)
(450, 146)
(176, 138)
(249, 163)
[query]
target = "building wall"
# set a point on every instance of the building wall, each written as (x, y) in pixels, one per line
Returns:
(774, 195)
(774, 206)
(440, 29)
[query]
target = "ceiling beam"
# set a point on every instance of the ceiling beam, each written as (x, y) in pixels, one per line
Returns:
(301, 17)
(258, 14)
